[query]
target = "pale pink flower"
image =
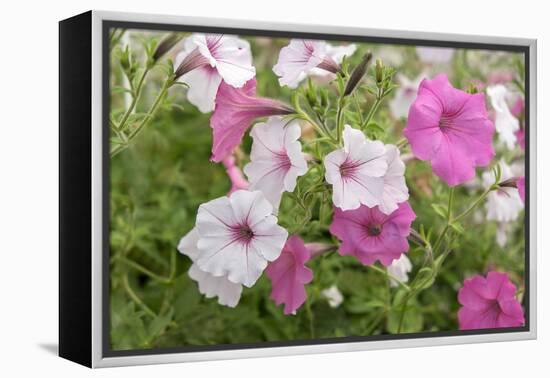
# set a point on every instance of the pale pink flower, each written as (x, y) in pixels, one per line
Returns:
(371, 235)
(451, 129)
(276, 158)
(304, 57)
(520, 136)
(234, 112)
(206, 60)
(399, 270)
(235, 175)
(503, 204)
(489, 303)
(238, 236)
(404, 95)
(289, 275)
(506, 123)
(395, 187)
(356, 171)
(435, 55)
(521, 187)
(228, 293)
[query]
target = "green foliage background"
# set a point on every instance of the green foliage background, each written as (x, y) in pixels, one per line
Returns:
(158, 183)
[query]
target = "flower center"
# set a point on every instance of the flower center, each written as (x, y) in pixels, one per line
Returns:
(349, 168)
(282, 161)
(374, 229)
(445, 122)
(243, 233)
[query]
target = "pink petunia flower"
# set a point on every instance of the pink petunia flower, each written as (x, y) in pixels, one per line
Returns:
(489, 303)
(206, 60)
(356, 172)
(371, 235)
(235, 175)
(305, 57)
(276, 159)
(228, 293)
(451, 129)
(520, 136)
(235, 110)
(289, 275)
(521, 187)
(238, 236)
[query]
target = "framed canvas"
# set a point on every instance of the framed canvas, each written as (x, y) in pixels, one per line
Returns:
(235, 189)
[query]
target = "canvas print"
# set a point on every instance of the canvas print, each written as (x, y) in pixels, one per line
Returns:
(269, 191)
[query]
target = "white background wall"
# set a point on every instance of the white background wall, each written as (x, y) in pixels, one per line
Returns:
(28, 200)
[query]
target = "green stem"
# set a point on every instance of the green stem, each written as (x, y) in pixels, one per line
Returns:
(135, 297)
(135, 96)
(340, 120)
(386, 273)
(476, 202)
(150, 115)
(372, 110)
(144, 270)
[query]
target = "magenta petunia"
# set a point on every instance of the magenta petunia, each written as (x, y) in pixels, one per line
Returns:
(521, 187)
(451, 129)
(234, 112)
(520, 136)
(489, 303)
(289, 275)
(371, 235)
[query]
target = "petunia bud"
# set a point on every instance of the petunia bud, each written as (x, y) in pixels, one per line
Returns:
(357, 74)
(510, 183)
(379, 69)
(166, 45)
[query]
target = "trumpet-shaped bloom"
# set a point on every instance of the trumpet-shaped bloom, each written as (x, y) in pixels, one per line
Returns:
(228, 293)
(276, 159)
(451, 129)
(435, 55)
(289, 275)
(399, 269)
(505, 123)
(503, 204)
(235, 110)
(404, 95)
(238, 236)
(521, 187)
(304, 57)
(395, 187)
(206, 60)
(356, 171)
(333, 295)
(489, 303)
(371, 235)
(235, 175)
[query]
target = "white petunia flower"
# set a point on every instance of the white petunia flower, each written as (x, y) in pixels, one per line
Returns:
(506, 124)
(501, 236)
(238, 236)
(304, 57)
(356, 171)
(504, 204)
(395, 187)
(400, 269)
(228, 293)
(207, 59)
(276, 159)
(333, 296)
(404, 96)
(435, 55)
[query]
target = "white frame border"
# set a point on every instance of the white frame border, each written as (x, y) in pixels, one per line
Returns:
(97, 186)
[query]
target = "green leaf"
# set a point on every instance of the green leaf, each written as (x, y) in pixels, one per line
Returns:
(440, 210)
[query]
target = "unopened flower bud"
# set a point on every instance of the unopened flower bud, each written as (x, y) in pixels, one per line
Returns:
(379, 71)
(357, 74)
(166, 45)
